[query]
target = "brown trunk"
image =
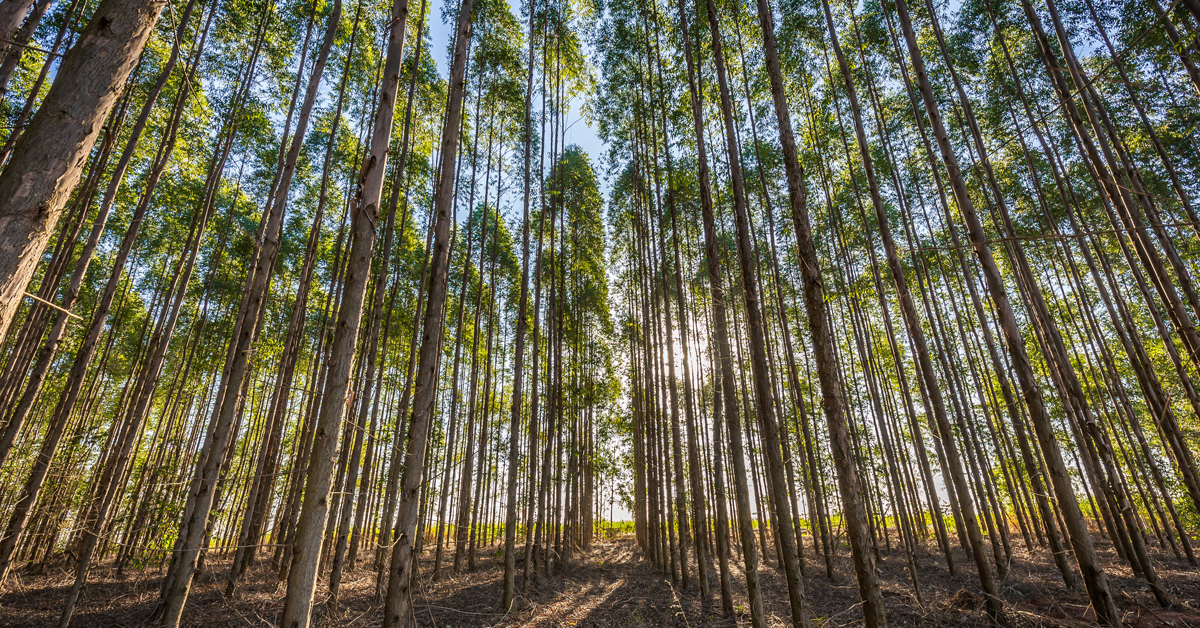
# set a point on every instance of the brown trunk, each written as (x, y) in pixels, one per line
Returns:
(47, 160)
(510, 517)
(398, 602)
(364, 217)
(11, 15)
(1093, 575)
(764, 405)
(84, 353)
(210, 465)
(20, 40)
(393, 480)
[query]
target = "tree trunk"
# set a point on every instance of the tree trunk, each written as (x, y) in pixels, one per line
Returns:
(20, 41)
(84, 353)
(365, 215)
(1093, 575)
(398, 601)
(48, 158)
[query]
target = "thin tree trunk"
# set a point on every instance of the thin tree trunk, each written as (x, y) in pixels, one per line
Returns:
(1093, 575)
(514, 424)
(20, 41)
(820, 329)
(84, 353)
(364, 217)
(398, 601)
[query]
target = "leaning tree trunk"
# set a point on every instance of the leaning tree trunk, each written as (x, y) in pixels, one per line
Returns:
(821, 331)
(916, 332)
(113, 475)
(364, 392)
(763, 394)
(20, 41)
(122, 432)
(398, 602)
(455, 394)
(393, 479)
(84, 353)
(1093, 575)
(210, 465)
(11, 15)
(48, 158)
(302, 576)
(41, 368)
(264, 480)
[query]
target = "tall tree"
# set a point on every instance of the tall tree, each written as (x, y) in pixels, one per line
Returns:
(47, 160)
(399, 594)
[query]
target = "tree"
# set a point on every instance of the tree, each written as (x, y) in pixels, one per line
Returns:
(47, 161)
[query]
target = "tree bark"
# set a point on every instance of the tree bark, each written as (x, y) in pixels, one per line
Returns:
(48, 158)
(364, 217)
(398, 601)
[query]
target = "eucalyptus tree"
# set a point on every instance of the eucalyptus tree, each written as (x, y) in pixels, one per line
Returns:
(311, 370)
(84, 354)
(46, 161)
(398, 598)
(917, 334)
(494, 65)
(258, 281)
(130, 418)
(819, 323)
(365, 217)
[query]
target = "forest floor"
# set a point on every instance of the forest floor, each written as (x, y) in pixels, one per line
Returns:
(612, 584)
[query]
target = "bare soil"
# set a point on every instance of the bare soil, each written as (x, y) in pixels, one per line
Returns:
(613, 585)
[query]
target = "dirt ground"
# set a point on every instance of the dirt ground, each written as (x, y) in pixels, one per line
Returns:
(613, 585)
